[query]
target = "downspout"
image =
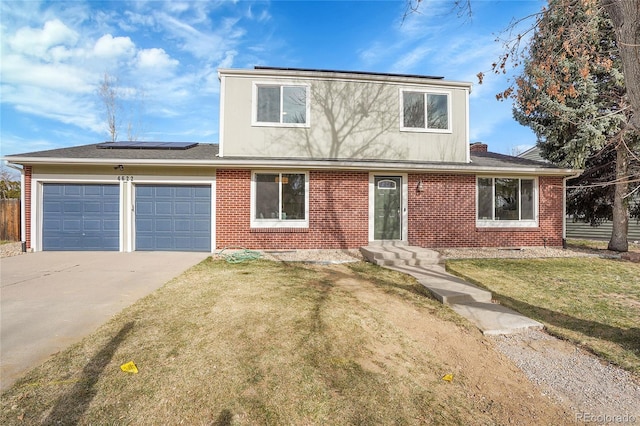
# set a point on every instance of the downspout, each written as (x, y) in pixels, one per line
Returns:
(23, 224)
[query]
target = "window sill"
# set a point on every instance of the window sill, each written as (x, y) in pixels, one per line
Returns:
(278, 230)
(283, 125)
(507, 228)
(420, 130)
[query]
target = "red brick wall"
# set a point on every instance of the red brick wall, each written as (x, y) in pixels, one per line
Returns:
(27, 204)
(338, 213)
(443, 215)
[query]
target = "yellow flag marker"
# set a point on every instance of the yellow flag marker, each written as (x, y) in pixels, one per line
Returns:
(448, 377)
(129, 367)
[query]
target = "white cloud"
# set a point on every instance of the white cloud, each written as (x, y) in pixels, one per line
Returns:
(36, 42)
(54, 105)
(410, 60)
(18, 71)
(108, 46)
(155, 59)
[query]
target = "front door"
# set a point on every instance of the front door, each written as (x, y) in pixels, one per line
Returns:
(387, 208)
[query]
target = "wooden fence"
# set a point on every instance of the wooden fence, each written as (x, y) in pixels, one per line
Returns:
(10, 219)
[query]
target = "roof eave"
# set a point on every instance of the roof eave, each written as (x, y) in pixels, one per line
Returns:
(305, 164)
(320, 75)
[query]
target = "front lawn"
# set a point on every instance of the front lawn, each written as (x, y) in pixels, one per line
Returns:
(593, 302)
(281, 343)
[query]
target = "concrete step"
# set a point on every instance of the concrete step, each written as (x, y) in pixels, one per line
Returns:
(468, 300)
(399, 254)
(494, 319)
(445, 287)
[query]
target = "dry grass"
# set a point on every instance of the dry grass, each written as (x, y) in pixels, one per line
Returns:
(590, 301)
(276, 343)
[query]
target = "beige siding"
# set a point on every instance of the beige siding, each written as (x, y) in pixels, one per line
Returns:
(349, 119)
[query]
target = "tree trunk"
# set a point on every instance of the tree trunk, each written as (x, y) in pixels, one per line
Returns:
(620, 223)
(625, 15)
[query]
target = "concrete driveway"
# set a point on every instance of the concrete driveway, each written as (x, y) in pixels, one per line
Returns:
(50, 300)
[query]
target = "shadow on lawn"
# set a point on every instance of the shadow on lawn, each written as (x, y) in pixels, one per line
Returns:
(628, 339)
(72, 405)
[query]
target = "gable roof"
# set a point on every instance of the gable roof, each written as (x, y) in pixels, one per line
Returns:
(207, 155)
(325, 71)
(93, 153)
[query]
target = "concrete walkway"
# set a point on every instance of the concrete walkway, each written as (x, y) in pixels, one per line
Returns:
(50, 300)
(468, 300)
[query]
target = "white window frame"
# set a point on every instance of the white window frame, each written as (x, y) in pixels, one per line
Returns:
(426, 112)
(493, 223)
(254, 104)
(278, 222)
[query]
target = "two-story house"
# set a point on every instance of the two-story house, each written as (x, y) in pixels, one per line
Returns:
(306, 159)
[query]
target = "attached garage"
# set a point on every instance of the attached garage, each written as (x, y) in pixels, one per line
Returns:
(81, 217)
(173, 217)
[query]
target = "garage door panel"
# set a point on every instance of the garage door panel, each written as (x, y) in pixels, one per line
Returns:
(72, 207)
(180, 217)
(81, 217)
(183, 208)
(163, 207)
(72, 190)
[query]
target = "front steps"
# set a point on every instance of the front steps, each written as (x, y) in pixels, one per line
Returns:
(399, 254)
(468, 300)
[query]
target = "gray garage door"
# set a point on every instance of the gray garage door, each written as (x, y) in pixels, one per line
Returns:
(173, 217)
(80, 217)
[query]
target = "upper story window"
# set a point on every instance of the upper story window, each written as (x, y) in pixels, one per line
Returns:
(504, 201)
(425, 111)
(280, 105)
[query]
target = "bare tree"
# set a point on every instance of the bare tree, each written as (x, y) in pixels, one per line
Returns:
(108, 93)
(113, 97)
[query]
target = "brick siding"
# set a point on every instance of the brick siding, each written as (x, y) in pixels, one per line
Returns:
(442, 215)
(338, 213)
(28, 170)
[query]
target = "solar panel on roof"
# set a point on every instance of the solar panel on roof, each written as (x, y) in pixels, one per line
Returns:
(146, 145)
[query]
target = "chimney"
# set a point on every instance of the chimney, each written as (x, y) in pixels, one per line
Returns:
(478, 147)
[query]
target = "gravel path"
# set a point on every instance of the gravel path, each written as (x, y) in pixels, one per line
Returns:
(10, 249)
(595, 391)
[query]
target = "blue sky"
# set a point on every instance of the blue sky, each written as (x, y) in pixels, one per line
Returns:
(165, 57)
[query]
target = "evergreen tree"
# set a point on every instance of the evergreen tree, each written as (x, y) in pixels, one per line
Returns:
(572, 95)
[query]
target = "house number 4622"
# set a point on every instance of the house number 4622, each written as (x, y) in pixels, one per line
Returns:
(125, 178)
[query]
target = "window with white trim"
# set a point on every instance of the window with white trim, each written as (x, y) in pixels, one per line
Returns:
(279, 199)
(280, 105)
(425, 111)
(507, 201)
